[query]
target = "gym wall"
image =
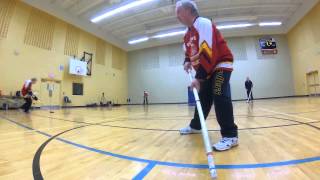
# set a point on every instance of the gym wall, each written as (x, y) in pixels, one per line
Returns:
(34, 44)
(159, 71)
(304, 43)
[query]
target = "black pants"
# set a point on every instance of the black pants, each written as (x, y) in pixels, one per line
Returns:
(27, 105)
(248, 94)
(217, 91)
(145, 100)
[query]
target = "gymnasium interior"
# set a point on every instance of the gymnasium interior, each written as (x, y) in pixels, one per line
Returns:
(111, 92)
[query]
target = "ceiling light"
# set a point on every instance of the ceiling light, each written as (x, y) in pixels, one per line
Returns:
(233, 26)
(270, 24)
(220, 27)
(136, 41)
(169, 34)
(119, 9)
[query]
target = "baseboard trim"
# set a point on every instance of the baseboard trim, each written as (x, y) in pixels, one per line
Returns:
(279, 97)
(235, 100)
(157, 103)
(171, 103)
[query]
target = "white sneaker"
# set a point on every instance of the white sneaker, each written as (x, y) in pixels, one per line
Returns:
(225, 144)
(189, 130)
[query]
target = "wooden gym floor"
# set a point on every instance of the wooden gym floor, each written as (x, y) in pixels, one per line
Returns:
(279, 139)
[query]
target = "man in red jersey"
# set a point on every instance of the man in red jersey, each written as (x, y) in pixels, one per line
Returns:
(27, 94)
(207, 52)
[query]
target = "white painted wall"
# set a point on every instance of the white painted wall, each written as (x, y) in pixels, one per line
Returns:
(159, 71)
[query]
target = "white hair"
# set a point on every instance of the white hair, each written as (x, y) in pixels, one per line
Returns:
(188, 4)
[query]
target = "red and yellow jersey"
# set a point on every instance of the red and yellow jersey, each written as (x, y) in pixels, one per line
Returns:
(204, 39)
(26, 87)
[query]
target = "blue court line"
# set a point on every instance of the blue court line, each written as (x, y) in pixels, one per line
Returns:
(152, 163)
(194, 166)
(144, 172)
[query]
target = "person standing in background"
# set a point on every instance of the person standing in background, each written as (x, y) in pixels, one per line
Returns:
(249, 86)
(103, 100)
(145, 98)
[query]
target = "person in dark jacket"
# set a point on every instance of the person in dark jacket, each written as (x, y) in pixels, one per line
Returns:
(249, 86)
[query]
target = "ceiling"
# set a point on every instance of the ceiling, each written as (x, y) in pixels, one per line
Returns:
(159, 16)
